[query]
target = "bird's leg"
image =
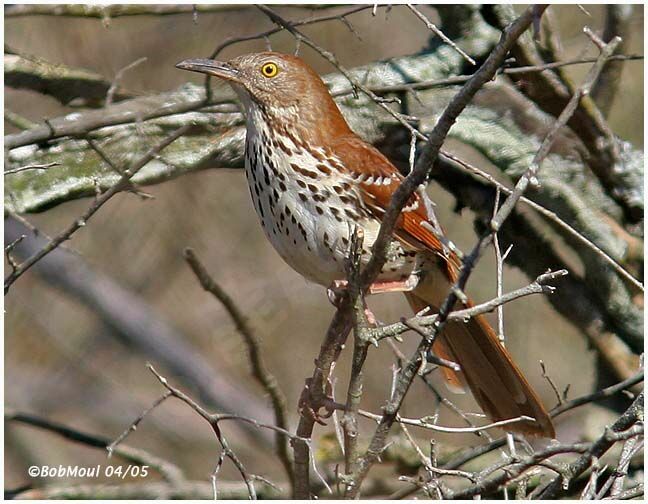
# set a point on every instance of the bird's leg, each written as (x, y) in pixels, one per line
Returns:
(335, 293)
(337, 288)
(394, 286)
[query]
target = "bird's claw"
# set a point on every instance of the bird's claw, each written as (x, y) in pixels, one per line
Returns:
(310, 407)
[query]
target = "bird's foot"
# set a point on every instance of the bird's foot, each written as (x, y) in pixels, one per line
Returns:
(310, 406)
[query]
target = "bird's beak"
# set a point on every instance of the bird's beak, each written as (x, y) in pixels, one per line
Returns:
(210, 67)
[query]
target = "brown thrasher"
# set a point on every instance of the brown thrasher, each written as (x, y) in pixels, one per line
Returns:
(312, 179)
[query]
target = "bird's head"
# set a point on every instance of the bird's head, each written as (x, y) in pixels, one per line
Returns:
(278, 82)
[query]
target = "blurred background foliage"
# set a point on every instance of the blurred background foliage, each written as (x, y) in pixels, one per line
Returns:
(62, 363)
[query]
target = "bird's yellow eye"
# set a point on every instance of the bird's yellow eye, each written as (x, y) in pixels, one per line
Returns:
(269, 69)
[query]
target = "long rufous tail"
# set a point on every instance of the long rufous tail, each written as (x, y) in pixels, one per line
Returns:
(486, 366)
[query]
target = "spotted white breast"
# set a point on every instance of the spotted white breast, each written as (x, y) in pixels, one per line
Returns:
(308, 204)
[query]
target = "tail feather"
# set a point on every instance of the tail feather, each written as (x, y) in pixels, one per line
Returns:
(497, 383)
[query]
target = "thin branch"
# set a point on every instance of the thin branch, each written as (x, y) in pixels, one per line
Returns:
(303, 22)
(433, 28)
(9, 248)
(551, 383)
(461, 79)
(213, 422)
(257, 363)
(539, 286)
(630, 448)
(438, 397)
(120, 185)
(30, 167)
(612, 434)
(424, 423)
(470, 454)
(553, 217)
(618, 21)
(110, 95)
(133, 426)
(599, 394)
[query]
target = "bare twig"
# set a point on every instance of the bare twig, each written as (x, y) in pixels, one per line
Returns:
(599, 394)
(258, 366)
(213, 422)
(304, 22)
(470, 454)
(135, 423)
(553, 217)
(540, 285)
(30, 167)
(551, 383)
(618, 19)
(612, 434)
(499, 265)
(439, 398)
(461, 79)
(432, 27)
(120, 185)
(9, 248)
(424, 423)
(630, 448)
(118, 76)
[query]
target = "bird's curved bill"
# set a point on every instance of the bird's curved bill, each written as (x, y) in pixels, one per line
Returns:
(210, 67)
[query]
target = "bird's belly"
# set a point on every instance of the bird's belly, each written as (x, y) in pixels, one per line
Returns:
(316, 245)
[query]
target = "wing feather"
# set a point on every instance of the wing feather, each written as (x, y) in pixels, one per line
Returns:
(378, 179)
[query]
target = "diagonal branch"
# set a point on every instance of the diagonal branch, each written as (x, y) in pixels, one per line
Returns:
(122, 183)
(259, 368)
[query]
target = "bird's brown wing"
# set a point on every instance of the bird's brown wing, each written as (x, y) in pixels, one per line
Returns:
(378, 179)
